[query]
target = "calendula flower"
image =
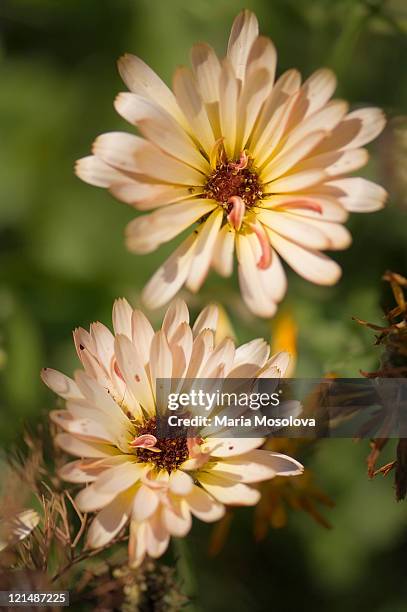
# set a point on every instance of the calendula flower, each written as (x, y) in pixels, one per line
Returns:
(110, 424)
(252, 164)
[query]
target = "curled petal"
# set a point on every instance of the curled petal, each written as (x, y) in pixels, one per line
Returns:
(147, 441)
(235, 217)
(265, 258)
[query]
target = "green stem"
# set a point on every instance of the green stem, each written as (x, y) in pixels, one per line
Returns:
(186, 573)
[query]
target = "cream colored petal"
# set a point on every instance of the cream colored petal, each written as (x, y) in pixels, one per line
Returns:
(170, 277)
(256, 466)
(85, 470)
(120, 150)
(277, 366)
(177, 519)
(227, 491)
(96, 172)
(204, 246)
(290, 156)
(204, 506)
(310, 264)
(207, 71)
(356, 129)
(254, 92)
(15, 529)
(181, 348)
(296, 181)
(263, 54)
(122, 314)
(255, 351)
(104, 340)
(142, 334)
(228, 108)
(230, 447)
(336, 162)
(86, 429)
(315, 93)
(145, 234)
(146, 196)
(202, 347)
(325, 119)
(222, 356)
(160, 358)
(358, 194)
(111, 483)
(207, 319)
(145, 503)
(192, 105)
(132, 368)
(160, 128)
(110, 521)
(222, 259)
(140, 79)
(294, 228)
(137, 543)
(80, 448)
(180, 483)
(157, 536)
(337, 235)
(244, 32)
(176, 314)
(59, 383)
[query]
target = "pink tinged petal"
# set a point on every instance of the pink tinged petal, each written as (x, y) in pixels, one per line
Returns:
(265, 258)
(310, 204)
(244, 32)
(295, 228)
(120, 150)
(96, 172)
(145, 503)
(263, 54)
(140, 79)
(222, 259)
(336, 162)
(192, 105)
(257, 294)
(315, 93)
(104, 340)
(237, 212)
(204, 506)
(253, 352)
(113, 481)
(122, 314)
(358, 194)
(297, 181)
(227, 491)
(337, 235)
(180, 483)
(310, 264)
(145, 441)
(228, 107)
(110, 521)
(142, 334)
(80, 448)
(132, 368)
(83, 470)
(59, 383)
(157, 536)
(287, 160)
(137, 543)
(204, 246)
(170, 277)
(176, 314)
(160, 128)
(146, 233)
(207, 319)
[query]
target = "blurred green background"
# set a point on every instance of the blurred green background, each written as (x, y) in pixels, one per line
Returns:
(63, 261)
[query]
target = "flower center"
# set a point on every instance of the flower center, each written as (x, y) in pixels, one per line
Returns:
(172, 451)
(234, 179)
